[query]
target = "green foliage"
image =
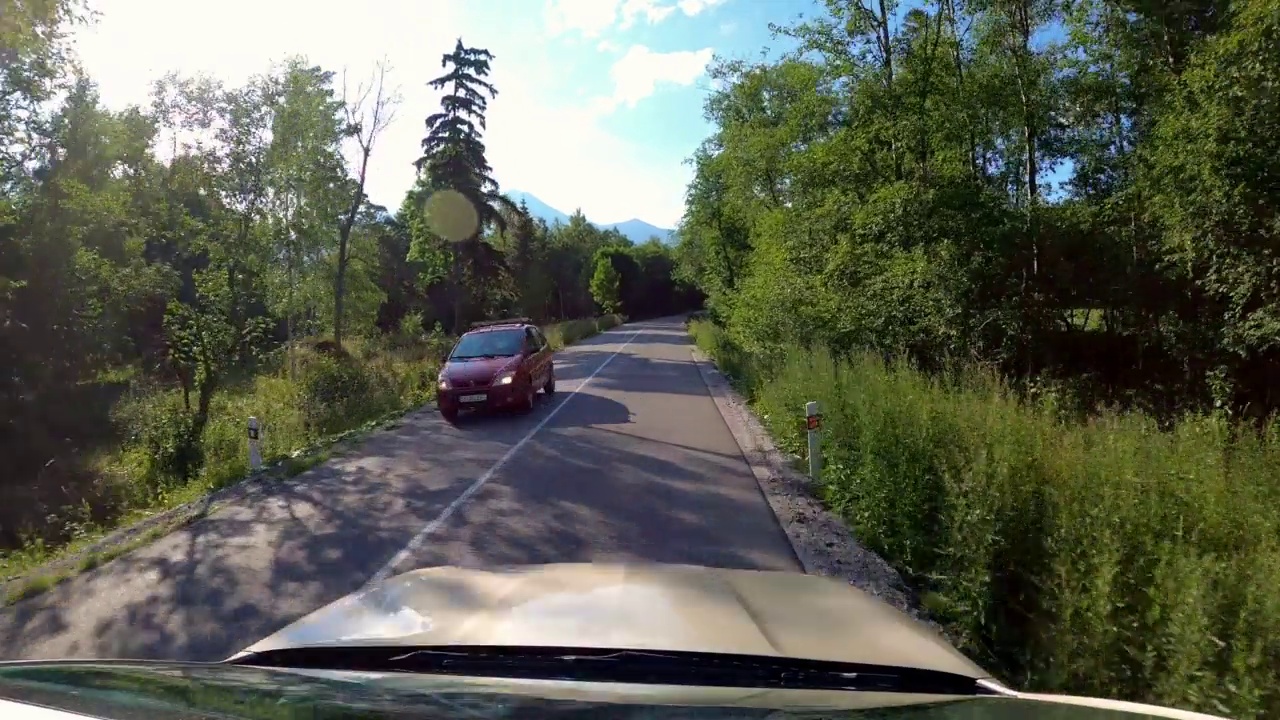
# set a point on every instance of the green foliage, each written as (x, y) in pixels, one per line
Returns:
(166, 440)
(884, 187)
(1103, 558)
(1213, 161)
(605, 284)
(331, 388)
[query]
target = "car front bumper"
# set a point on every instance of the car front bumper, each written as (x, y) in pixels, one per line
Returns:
(489, 397)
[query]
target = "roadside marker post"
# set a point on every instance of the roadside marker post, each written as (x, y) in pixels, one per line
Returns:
(813, 422)
(255, 449)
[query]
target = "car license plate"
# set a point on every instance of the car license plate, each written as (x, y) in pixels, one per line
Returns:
(472, 398)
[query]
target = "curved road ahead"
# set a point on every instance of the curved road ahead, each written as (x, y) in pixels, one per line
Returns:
(630, 460)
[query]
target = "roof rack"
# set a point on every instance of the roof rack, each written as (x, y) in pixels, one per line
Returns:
(508, 321)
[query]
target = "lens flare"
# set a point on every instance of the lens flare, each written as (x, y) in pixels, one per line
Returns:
(451, 215)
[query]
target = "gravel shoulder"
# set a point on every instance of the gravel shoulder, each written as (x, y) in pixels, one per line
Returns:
(821, 540)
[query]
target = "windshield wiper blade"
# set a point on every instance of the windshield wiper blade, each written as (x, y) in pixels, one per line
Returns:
(620, 665)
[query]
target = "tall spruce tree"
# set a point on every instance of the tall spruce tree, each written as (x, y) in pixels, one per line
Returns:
(453, 153)
(458, 185)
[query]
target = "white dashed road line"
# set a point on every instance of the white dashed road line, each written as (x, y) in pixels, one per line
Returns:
(385, 571)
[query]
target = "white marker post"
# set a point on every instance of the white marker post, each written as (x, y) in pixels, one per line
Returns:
(813, 421)
(255, 450)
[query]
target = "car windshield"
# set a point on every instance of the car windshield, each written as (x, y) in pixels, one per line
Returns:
(490, 343)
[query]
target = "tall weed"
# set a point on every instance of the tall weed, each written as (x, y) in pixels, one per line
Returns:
(1105, 557)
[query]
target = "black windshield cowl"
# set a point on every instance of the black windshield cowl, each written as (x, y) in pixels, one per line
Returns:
(623, 666)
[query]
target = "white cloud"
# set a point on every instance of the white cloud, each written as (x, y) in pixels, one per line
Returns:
(561, 154)
(536, 142)
(589, 17)
(639, 72)
(651, 11)
(594, 17)
(693, 7)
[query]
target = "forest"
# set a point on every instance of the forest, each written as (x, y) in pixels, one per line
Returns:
(167, 271)
(1025, 254)
(1076, 190)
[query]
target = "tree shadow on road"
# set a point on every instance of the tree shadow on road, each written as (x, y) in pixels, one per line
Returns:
(227, 580)
(631, 373)
(585, 495)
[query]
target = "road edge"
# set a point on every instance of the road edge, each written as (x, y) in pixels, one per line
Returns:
(822, 541)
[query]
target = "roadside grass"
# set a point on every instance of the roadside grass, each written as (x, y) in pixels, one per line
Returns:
(325, 400)
(570, 332)
(1103, 558)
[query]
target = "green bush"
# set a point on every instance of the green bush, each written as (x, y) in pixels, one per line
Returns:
(571, 331)
(1103, 558)
(164, 440)
(333, 391)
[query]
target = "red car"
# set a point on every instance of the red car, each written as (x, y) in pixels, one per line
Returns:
(496, 364)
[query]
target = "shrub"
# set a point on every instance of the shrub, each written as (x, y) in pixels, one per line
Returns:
(164, 440)
(331, 389)
(571, 331)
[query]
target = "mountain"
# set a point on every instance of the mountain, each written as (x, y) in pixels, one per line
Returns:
(637, 231)
(537, 208)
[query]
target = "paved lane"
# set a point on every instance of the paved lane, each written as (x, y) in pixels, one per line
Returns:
(638, 464)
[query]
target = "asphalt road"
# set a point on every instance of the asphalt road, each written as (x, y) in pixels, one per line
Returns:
(629, 460)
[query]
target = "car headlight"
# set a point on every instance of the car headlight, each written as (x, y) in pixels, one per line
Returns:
(442, 382)
(505, 378)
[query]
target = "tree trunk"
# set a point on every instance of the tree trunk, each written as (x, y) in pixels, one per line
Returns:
(344, 247)
(339, 290)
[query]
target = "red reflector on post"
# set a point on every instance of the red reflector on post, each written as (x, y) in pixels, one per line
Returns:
(814, 422)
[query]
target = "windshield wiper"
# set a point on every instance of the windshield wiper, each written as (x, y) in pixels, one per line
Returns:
(626, 666)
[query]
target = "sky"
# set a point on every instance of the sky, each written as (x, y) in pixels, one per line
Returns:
(599, 101)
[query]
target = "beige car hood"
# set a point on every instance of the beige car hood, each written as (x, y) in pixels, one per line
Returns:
(637, 607)
(662, 607)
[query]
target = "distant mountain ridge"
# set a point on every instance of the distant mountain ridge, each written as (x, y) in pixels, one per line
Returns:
(635, 230)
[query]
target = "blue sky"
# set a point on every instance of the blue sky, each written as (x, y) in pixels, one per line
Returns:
(600, 101)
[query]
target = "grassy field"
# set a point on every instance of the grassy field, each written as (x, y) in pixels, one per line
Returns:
(1103, 558)
(160, 466)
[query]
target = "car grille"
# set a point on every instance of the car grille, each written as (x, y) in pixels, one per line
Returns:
(462, 384)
